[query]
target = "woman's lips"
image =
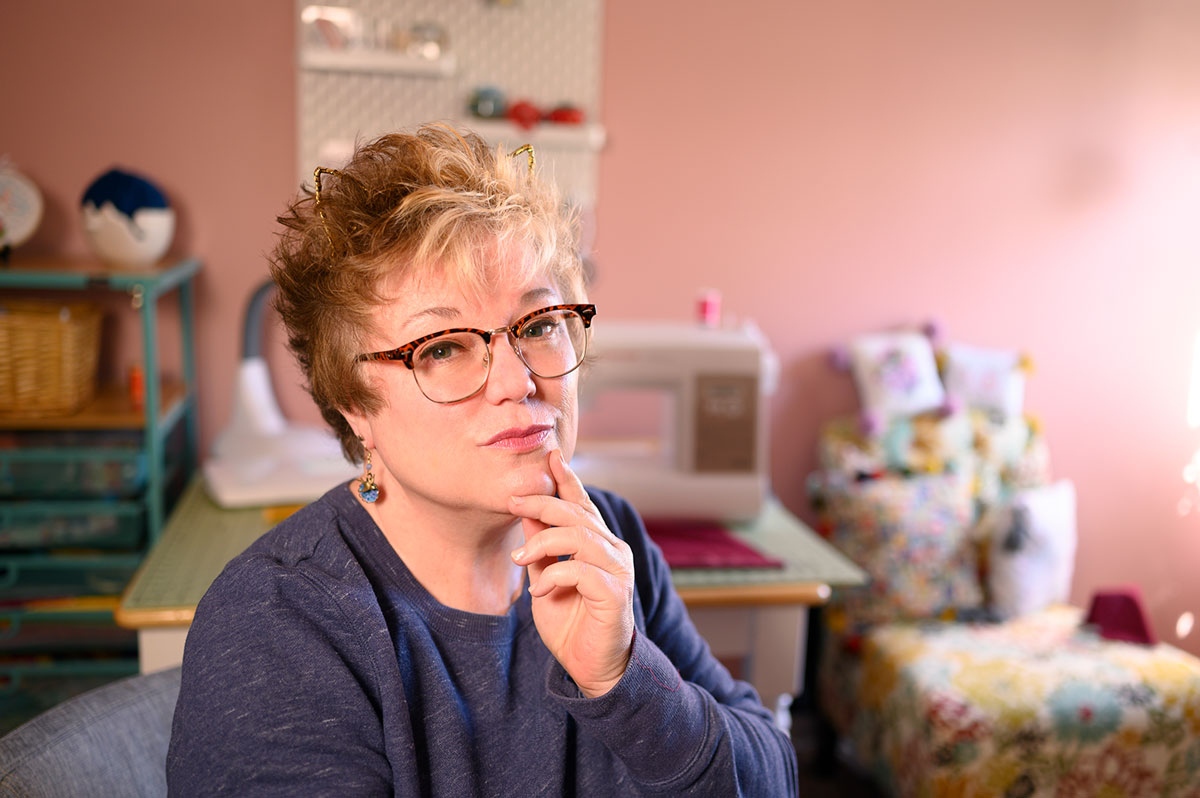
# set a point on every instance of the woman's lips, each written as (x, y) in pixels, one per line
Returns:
(521, 439)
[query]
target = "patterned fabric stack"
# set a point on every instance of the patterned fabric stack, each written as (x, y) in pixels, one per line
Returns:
(936, 696)
(915, 528)
(958, 670)
(1035, 706)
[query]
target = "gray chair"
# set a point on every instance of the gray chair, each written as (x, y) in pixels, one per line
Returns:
(111, 741)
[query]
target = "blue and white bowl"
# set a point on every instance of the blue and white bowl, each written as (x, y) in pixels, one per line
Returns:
(127, 219)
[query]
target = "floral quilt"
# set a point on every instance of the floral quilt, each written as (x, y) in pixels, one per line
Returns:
(1037, 706)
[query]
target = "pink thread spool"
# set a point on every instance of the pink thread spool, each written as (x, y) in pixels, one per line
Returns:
(708, 308)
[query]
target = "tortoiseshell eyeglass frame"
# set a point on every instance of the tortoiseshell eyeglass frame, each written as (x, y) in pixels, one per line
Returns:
(405, 353)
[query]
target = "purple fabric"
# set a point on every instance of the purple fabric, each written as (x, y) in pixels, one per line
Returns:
(1118, 614)
(318, 665)
(696, 544)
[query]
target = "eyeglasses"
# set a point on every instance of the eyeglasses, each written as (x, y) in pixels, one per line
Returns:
(453, 365)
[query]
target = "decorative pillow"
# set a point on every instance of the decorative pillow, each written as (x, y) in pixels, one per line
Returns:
(1031, 549)
(843, 449)
(896, 375)
(929, 443)
(984, 379)
(1012, 455)
(912, 536)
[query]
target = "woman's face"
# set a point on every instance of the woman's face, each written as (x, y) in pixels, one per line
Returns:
(473, 454)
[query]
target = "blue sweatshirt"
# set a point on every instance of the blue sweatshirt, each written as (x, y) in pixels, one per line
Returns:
(318, 665)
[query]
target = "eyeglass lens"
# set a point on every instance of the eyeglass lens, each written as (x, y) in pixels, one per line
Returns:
(455, 366)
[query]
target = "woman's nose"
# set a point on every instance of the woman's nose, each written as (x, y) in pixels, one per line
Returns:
(509, 377)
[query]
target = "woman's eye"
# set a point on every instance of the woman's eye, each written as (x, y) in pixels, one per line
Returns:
(439, 352)
(539, 328)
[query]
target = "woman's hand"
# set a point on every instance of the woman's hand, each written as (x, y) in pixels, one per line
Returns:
(582, 606)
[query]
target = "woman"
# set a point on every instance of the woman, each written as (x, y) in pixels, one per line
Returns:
(466, 619)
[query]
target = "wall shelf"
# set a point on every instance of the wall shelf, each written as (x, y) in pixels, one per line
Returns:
(377, 61)
(83, 496)
(110, 409)
(588, 136)
(168, 403)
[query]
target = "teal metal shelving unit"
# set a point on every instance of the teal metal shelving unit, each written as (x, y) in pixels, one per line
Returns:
(168, 417)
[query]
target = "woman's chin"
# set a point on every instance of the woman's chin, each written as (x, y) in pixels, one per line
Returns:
(531, 481)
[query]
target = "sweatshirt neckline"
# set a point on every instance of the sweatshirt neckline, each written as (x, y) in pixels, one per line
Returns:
(384, 561)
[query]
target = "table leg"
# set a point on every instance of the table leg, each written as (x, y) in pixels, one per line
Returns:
(160, 647)
(777, 651)
(769, 640)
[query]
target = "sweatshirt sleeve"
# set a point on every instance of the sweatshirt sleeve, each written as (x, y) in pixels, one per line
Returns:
(267, 638)
(677, 719)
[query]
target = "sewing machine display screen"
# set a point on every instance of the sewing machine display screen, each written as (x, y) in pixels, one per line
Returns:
(725, 418)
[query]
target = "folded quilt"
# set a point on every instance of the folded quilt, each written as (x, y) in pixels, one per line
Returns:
(1037, 706)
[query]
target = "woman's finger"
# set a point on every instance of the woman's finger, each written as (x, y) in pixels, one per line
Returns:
(532, 529)
(594, 584)
(581, 543)
(569, 487)
(553, 511)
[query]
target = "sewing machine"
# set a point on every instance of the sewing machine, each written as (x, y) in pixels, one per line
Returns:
(674, 418)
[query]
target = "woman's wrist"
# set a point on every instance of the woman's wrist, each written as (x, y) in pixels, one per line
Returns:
(602, 688)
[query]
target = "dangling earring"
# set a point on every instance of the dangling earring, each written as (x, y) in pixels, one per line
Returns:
(367, 489)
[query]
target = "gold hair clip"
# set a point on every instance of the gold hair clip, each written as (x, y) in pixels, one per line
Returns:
(525, 150)
(320, 170)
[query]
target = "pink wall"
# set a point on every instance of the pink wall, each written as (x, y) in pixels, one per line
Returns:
(199, 96)
(1027, 173)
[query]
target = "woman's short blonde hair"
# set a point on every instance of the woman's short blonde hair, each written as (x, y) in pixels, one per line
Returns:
(434, 199)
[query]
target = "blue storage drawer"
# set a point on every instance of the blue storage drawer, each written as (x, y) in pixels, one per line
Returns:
(74, 464)
(26, 631)
(26, 577)
(54, 474)
(86, 525)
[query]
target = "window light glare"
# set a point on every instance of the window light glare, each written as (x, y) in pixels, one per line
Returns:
(1193, 409)
(1183, 626)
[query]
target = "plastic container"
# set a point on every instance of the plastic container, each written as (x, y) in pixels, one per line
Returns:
(83, 524)
(51, 576)
(53, 473)
(37, 632)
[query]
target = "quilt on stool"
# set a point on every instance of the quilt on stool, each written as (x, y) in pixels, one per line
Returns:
(1037, 706)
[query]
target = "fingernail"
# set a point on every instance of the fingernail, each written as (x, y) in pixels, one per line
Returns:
(517, 500)
(561, 458)
(519, 554)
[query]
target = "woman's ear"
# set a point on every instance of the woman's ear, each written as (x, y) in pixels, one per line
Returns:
(360, 426)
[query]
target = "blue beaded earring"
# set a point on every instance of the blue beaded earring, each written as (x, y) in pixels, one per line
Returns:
(367, 489)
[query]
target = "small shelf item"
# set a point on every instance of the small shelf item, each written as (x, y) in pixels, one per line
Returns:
(127, 219)
(377, 61)
(48, 356)
(20, 208)
(588, 136)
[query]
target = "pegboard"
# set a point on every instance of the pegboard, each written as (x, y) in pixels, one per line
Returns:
(546, 51)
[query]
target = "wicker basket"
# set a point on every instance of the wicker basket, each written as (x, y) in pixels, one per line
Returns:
(48, 356)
